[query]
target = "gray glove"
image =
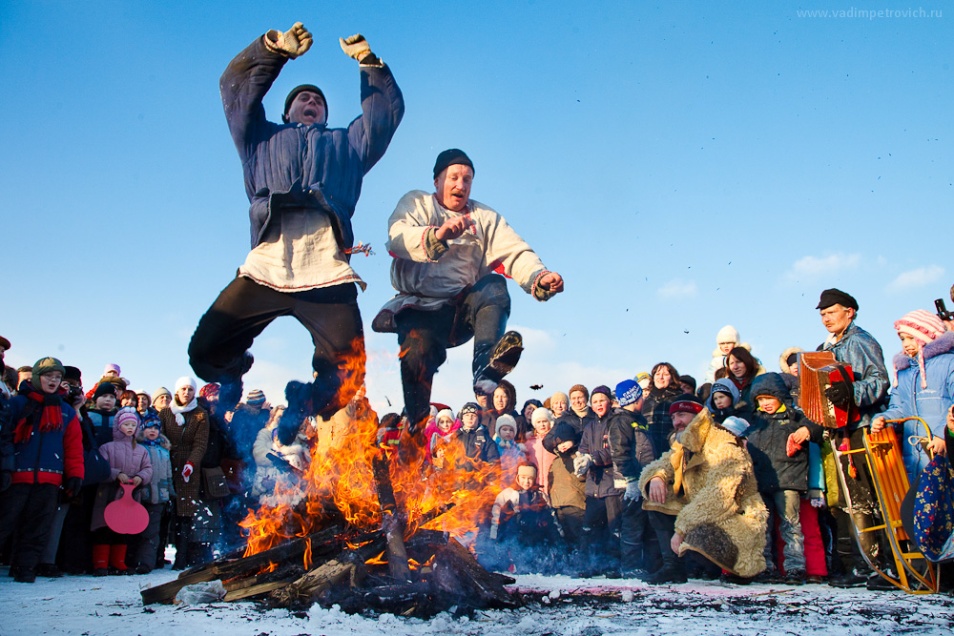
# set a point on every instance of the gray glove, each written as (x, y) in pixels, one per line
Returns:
(355, 46)
(582, 463)
(292, 43)
(493, 533)
(632, 491)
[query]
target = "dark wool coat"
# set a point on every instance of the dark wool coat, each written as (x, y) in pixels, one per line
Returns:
(311, 167)
(630, 446)
(188, 445)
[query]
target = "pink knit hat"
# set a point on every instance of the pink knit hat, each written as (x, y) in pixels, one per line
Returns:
(921, 325)
(924, 327)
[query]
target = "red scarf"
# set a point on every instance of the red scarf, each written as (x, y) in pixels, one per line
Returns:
(51, 417)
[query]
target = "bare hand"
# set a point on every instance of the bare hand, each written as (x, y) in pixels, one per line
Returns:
(801, 435)
(937, 446)
(551, 282)
(355, 46)
(292, 43)
(453, 228)
(877, 424)
(657, 490)
(123, 478)
(676, 542)
(136, 480)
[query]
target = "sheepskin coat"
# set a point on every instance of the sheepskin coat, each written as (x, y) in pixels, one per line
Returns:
(711, 489)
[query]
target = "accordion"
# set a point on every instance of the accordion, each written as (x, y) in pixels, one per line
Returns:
(818, 370)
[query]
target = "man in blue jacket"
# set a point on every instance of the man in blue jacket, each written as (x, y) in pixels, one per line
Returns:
(303, 180)
(852, 345)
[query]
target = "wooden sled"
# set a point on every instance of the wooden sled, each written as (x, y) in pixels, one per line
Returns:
(912, 572)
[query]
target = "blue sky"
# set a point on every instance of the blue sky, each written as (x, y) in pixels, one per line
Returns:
(684, 165)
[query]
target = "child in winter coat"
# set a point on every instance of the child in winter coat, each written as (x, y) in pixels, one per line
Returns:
(475, 439)
(923, 385)
(776, 442)
(512, 452)
(104, 409)
(157, 494)
(723, 399)
(41, 455)
(726, 339)
(129, 464)
(521, 524)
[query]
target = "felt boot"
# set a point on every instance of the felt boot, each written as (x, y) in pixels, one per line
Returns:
(100, 560)
(117, 559)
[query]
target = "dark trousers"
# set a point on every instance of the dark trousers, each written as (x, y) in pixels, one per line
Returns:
(148, 549)
(633, 524)
(864, 512)
(601, 528)
(481, 313)
(28, 510)
(219, 348)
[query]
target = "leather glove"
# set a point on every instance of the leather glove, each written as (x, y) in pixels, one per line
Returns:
(355, 46)
(292, 43)
(493, 532)
(187, 471)
(632, 491)
(582, 463)
(6, 478)
(72, 487)
(839, 394)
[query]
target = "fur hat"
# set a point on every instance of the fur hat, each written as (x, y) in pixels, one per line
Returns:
(789, 359)
(628, 392)
(445, 413)
(833, 296)
(728, 334)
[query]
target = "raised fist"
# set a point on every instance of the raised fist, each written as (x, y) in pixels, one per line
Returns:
(355, 46)
(292, 43)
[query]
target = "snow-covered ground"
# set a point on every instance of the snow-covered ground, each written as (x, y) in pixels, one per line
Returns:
(557, 605)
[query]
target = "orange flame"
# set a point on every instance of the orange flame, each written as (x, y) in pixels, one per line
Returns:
(341, 477)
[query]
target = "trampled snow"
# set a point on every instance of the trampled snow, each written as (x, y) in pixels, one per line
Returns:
(556, 605)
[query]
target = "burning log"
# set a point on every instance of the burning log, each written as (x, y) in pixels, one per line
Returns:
(457, 573)
(392, 523)
(348, 566)
(319, 543)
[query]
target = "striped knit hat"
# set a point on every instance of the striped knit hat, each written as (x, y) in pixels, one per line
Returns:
(255, 396)
(924, 327)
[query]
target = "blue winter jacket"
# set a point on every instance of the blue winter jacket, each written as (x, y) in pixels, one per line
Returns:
(930, 403)
(859, 349)
(298, 166)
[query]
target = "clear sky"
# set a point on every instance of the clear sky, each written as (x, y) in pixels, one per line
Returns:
(684, 165)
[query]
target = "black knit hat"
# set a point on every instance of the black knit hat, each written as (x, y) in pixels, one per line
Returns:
(104, 388)
(299, 89)
(833, 296)
(452, 157)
